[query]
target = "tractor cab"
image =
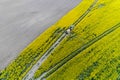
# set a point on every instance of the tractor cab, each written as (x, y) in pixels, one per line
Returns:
(69, 29)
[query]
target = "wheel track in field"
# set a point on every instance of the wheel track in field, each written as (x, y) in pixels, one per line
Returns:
(76, 52)
(30, 74)
(73, 25)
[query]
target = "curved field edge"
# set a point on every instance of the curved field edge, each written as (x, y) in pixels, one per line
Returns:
(79, 17)
(103, 17)
(18, 68)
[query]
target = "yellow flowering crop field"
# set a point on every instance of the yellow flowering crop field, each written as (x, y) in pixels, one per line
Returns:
(90, 52)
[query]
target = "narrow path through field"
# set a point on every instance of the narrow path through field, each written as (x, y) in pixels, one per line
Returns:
(21, 21)
(73, 25)
(30, 74)
(76, 52)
